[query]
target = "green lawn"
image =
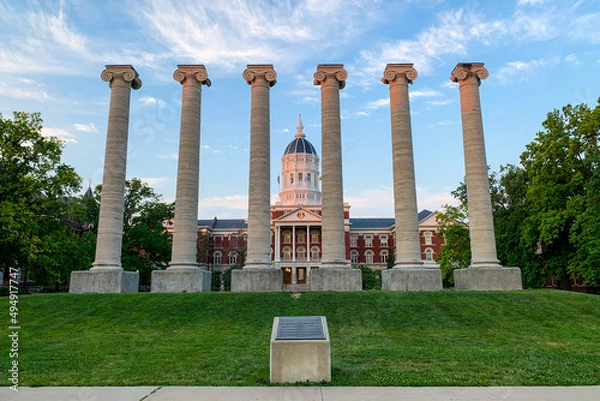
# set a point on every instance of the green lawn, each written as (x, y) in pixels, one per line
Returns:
(449, 338)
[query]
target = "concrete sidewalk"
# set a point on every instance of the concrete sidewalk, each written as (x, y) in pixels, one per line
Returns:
(588, 393)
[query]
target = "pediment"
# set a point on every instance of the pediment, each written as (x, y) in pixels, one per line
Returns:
(299, 215)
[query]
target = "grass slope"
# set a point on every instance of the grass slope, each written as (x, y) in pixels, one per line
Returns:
(378, 338)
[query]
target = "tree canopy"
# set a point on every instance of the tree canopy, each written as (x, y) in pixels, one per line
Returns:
(37, 193)
(547, 210)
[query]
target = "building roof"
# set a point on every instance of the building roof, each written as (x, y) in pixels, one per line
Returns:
(223, 224)
(381, 222)
(300, 144)
(355, 222)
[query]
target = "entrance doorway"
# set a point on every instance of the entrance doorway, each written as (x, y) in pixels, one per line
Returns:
(287, 275)
(301, 275)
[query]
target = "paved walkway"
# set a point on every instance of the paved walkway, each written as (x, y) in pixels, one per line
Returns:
(591, 393)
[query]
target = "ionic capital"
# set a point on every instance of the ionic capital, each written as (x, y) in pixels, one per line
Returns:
(255, 72)
(401, 73)
(190, 73)
(125, 73)
(331, 73)
(466, 71)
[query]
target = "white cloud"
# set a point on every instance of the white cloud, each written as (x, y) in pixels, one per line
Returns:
(61, 134)
(55, 28)
(433, 200)
(223, 206)
(284, 131)
(151, 101)
(424, 93)
(230, 35)
(377, 104)
(371, 202)
(440, 102)
(26, 81)
(21, 93)
(572, 59)
(531, 2)
(362, 113)
(155, 181)
(521, 69)
(86, 127)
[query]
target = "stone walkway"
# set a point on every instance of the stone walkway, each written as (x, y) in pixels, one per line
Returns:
(588, 393)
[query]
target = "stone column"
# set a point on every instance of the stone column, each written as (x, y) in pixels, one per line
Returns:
(332, 78)
(121, 79)
(185, 228)
(413, 277)
(261, 77)
(481, 224)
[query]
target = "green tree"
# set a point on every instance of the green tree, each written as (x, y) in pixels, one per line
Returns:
(146, 241)
(560, 164)
(455, 253)
(36, 193)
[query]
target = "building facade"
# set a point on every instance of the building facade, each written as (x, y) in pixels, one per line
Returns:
(296, 226)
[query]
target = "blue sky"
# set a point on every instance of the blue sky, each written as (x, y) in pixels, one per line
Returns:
(541, 55)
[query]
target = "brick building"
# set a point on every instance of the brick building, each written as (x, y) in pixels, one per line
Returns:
(296, 225)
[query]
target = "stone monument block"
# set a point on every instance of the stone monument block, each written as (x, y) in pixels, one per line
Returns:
(256, 280)
(300, 350)
(181, 280)
(488, 279)
(103, 281)
(401, 279)
(330, 279)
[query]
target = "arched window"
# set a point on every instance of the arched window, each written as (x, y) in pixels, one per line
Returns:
(217, 258)
(301, 237)
(287, 253)
(354, 257)
(384, 256)
(232, 257)
(301, 253)
(429, 255)
(314, 253)
(287, 237)
(369, 257)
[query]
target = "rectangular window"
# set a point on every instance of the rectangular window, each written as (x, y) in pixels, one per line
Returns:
(299, 178)
(218, 241)
(368, 240)
(314, 237)
(383, 241)
(353, 240)
(308, 180)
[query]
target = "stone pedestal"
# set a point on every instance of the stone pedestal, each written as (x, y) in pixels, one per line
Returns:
(256, 280)
(403, 279)
(339, 280)
(181, 280)
(488, 279)
(103, 281)
(303, 357)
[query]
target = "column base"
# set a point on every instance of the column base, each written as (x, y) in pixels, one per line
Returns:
(103, 281)
(330, 279)
(488, 279)
(256, 280)
(181, 280)
(415, 279)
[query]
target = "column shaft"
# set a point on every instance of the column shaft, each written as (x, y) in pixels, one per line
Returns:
(261, 78)
(408, 248)
(185, 227)
(331, 78)
(481, 224)
(121, 79)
